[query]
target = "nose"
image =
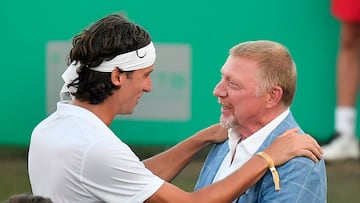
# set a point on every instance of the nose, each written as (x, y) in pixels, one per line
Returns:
(148, 85)
(220, 90)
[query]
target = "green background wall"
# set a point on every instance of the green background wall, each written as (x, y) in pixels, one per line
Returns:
(210, 27)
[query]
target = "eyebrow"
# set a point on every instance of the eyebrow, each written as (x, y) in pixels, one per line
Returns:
(148, 73)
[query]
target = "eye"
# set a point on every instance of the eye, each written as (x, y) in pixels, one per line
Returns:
(232, 84)
(148, 74)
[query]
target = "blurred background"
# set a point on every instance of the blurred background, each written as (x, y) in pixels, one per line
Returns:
(192, 41)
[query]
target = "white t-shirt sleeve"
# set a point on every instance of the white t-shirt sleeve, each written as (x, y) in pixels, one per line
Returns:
(114, 173)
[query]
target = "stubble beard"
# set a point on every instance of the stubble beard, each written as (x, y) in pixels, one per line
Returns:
(229, 122)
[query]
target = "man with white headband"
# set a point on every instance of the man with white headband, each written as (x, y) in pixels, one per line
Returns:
(75, 157)
(133, 60)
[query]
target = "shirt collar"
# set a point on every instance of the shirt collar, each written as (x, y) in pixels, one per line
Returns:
(254, 141)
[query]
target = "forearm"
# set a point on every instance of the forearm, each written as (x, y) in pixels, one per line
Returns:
(239, 182)
(222, 191)
(169, 163)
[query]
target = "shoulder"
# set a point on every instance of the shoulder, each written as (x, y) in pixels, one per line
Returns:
(301, 164)
(109, 151)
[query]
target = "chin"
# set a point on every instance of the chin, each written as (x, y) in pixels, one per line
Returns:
(127, 112)
(229, 121)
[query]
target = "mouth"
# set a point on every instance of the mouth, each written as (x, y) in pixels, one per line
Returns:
(139, 97)
(137, 100)
(226, 109)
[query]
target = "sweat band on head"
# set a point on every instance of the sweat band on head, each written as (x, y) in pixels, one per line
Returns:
(134, 60)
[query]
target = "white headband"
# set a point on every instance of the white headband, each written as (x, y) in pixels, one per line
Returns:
(134, 60)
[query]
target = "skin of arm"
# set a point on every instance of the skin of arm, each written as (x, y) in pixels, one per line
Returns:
(245, 177)
(168, 164)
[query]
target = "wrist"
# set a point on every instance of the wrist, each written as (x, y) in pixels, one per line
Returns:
(272, 168)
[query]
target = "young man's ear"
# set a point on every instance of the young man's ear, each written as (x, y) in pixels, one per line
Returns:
(117, 77)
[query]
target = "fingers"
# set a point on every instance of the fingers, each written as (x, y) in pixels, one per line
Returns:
(309, 154)
(315, 148)
(309, 147)
(291, 144)
(290, 131)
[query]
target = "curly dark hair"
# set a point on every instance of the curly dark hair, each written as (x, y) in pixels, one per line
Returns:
(28, 198)
(104, 40)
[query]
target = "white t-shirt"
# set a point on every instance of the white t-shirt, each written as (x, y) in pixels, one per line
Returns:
(75, 157)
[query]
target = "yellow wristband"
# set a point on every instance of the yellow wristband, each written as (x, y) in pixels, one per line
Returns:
(272, 168)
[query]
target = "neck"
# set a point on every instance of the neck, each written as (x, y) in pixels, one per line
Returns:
(250, 127)
(100, 110)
